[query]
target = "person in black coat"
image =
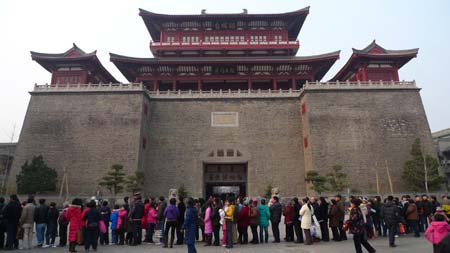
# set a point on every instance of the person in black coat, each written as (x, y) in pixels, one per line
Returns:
(11, 214)
(40, 218)
(2, 223)
(322, 217)
(275, 217)
(444, 245)
(296, 220)
(390, 213)
(136, 214)
(105, 213)
(52, 224)
(92, 218)
(215, 217)
(182, 209)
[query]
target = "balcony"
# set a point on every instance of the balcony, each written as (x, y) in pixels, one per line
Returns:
(224, 45)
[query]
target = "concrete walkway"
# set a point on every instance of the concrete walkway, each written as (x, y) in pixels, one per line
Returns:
(405, 244)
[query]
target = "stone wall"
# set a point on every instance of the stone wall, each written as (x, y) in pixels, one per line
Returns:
(365, 131)
(83, 132)
(181, 138)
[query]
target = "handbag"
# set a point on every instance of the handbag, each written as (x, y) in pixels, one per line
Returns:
(102, 227)
(316, 228)
(80, 236)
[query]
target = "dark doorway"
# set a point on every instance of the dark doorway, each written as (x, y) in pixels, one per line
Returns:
(222, 180)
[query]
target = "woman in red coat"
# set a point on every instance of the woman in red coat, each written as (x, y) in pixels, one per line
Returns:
(74, 217)
(288, 221)
(243, 218)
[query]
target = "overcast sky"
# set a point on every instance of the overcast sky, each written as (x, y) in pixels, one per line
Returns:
(114, 26)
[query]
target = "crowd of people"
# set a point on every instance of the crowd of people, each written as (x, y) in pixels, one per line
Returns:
(217, 222)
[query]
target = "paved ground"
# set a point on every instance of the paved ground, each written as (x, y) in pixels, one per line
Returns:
(405, 245)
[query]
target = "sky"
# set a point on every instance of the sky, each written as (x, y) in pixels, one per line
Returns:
(115, 26)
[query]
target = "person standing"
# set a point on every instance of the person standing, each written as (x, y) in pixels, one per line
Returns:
(376, 215)
(171, 215)
(426, 214)
(2, 223)
(74, 218)
(105, 213)
(63, 223)
(275, 218)
(412, 217)
(12, 212)
(92, 218)
(306, 213)
(151, 221)
(144, 223)
(208, 223)
(40, 218)
(229, 218)
(390, 213)
(27, 222)
(190, 225)
(182, 209)
(340, 203)
(243, 222)
(264, 217)
(296, 220)
(322, 217)
(52, 225)
(334, 220)
(437, 231)
(122, 224)
(289, 225)
(254, 221)
(161, 208)
(215, 217)
(136, 214)
(357, 227)
(113, 218)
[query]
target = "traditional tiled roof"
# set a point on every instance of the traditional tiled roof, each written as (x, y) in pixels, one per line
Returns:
(294, 19)
(324, 60)
(73, 56)
(375, 52)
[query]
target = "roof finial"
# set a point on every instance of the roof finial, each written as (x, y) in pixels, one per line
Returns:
(244, 11)
(203, 11)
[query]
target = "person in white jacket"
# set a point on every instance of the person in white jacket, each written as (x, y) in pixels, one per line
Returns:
(306, 212)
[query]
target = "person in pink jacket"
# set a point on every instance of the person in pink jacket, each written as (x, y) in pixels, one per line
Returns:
(152, 216)
(437, 230)
(122, 225)
(208, 223)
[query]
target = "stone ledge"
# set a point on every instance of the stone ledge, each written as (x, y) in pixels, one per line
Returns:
(358, 85)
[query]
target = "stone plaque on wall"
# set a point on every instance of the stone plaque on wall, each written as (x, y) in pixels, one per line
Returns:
(224, 119)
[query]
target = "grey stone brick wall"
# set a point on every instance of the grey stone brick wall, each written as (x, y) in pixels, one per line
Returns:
(84, 132)
(362, 130)
(268, 136)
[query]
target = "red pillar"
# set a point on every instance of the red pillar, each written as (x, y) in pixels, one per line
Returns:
(363, 73)
(155, 85)
(199, 84)
(293, 84)
(395, 72)
(249, 83)
(274, 84)
(174, 85)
